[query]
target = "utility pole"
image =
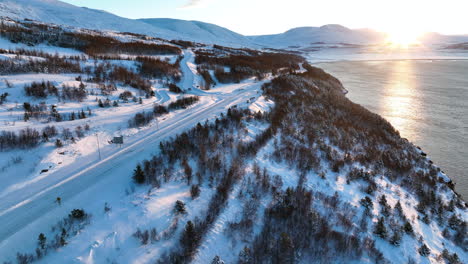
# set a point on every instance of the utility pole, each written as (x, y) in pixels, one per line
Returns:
(99, 149)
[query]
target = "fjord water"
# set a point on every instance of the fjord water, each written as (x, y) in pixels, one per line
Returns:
(426, 100)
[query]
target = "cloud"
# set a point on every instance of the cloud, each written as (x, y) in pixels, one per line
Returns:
(192, 3)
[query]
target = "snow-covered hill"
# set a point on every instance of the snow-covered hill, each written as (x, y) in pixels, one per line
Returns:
(305, 36)
(57, 12)
(200, 31)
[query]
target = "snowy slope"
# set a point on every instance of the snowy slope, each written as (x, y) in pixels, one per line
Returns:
(200, 31)
(304, 36)
(57, 12)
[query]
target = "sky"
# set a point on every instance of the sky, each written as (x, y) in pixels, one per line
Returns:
(258, 17)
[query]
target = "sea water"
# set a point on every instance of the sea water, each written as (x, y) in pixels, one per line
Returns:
(426, 100)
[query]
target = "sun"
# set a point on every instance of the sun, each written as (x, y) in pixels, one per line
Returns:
(403, 38)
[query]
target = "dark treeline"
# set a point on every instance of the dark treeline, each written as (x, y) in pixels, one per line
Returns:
(41, 90)
(29, 138)
(153, 67)
(50, 64)
(39, 53)
(208, 81)
(74, 93)
(41, 111)
(24, 139)
(144, 118)
(90, 43)
(245, 66)
(183, 103)
(106, 72)
(44, 89)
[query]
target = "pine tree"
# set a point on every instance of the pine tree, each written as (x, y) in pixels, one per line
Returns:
(180, 207)
(396, 238)
(195, 191)
(58, 143)
(189, 238)
(63, 236)
(399, 209)
(424, 251)
(286, 249)
(408, 228)
(245, 256)
(139, 175)
(217, 260)
(42, 241)
(385, 210)
(367, 203)
(187, 171)
(380, 228)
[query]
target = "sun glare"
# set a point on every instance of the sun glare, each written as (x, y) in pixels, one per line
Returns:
(403, 38)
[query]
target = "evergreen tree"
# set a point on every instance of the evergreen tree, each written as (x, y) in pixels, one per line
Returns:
(139, 175)
(180, 207)
(385, 208)
(367, 203)
(285, 249)
(63, 237)
(187, 171)
(424, 251)
(245, 256)
(408, 228)
(58, 143)
(399, 209)
(380, 228)
(189, 238)
(217, 260)
(195, 191)
(42, 241)
(396, 238)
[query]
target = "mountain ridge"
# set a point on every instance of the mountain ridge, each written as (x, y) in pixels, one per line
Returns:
(58, 12)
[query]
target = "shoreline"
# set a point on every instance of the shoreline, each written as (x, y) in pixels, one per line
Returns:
(457, 177)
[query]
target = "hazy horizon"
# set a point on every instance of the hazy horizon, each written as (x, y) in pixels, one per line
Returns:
(261, 17)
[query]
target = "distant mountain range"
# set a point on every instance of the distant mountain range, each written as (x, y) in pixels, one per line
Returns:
(57, 12)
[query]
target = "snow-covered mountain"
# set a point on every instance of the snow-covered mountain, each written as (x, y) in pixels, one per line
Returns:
(305, 36)
(57, 12)
(199, 31)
